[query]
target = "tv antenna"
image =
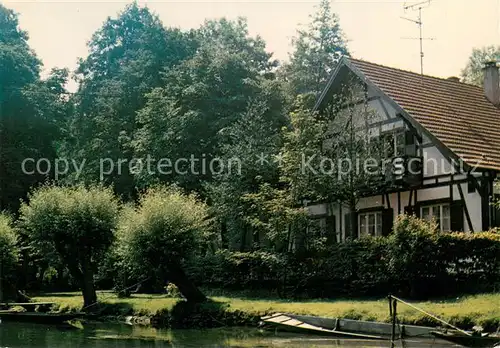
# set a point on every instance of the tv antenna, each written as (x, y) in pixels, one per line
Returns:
(418, 6)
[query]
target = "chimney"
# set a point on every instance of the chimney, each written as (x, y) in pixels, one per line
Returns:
(492, 83)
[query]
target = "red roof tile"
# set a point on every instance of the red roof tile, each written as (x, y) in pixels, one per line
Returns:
(457, 114)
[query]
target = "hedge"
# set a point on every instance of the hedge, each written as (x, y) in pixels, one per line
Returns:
(414, 261)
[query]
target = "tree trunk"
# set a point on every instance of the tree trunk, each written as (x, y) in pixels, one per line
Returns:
(223, 235)
(354, 220)
(186, 287)
(88, 288)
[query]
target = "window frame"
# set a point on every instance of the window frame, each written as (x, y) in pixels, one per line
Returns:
(377, 223)
(442, 217)
(394, 142)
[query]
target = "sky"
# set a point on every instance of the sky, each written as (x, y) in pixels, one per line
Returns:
(59, 30)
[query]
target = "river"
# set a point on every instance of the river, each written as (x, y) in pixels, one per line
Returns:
(100, 335)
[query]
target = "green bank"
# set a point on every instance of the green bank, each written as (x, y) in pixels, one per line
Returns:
(464, 312)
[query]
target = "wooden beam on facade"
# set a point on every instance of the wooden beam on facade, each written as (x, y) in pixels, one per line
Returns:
(466, 210)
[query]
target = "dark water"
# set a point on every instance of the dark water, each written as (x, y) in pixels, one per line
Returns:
(13, 335)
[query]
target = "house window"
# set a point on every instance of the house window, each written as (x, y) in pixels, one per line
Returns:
(370, 223)
(393, 144)
(438, 212)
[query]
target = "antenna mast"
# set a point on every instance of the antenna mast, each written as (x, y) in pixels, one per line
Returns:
(419, 6)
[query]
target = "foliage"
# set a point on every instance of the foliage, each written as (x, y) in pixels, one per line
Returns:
(415, 261)
(274, 208)
(200, 99)
(473, 71)
(251, 271)
(31, 111)
(163, 231)
(77, 223)
(9, 253)
(273, 212)
(127, 56)
(166, 226)
(317, 52)
(320, 156)
(411, 243)
(251, 145)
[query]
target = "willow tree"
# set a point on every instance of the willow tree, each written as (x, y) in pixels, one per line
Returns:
(78, 224)
(156, 237)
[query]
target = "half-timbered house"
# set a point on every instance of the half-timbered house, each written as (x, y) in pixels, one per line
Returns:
(451, 128)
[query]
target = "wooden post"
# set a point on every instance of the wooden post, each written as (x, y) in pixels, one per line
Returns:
(1, 275)
(390, 306)
(394, 310)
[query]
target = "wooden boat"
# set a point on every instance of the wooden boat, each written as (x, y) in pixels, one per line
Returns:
(468, 341)
(343, 327)
(33, 317)
(289, 322)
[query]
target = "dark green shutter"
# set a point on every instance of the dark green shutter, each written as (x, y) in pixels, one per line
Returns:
(457, 216)
(410, 148)
(331, 229)
(387, 221)
(416, 209)
(351, 231)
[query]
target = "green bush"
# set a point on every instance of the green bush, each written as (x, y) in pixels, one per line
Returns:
(9, 255)
(414, 261)
(238, 270)
(164, 231)
(413, 255)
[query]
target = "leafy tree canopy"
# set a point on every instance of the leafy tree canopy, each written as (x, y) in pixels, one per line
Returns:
(31, 111)
(162, 232)
(127, 57)
(201, 97)
(473, 71)
(317, 50)
(77, 223)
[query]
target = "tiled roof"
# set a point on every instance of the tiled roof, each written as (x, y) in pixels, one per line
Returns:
(457, 114)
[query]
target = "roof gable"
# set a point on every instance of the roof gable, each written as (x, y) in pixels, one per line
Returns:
(458, 115)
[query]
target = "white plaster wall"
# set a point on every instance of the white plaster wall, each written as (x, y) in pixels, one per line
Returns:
(473, 203)
(370, 202)
(435, 163)
(433, 193)
(376, 110)
(376, 104)
(389, 108)
(317, 209)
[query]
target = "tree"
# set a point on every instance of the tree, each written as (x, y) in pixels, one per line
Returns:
(128, 55)
(354, 151)
(77, 223)
(473, 71)
(8, 258)
(251, 144)
(328, 156)
(31, 110)
(317, 51)
(161, 233)
(277, 208)
(198, 100)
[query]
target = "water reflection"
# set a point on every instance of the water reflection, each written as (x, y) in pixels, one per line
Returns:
(99, 335)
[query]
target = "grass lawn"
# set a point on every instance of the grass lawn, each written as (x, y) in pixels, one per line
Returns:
(465, 311)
